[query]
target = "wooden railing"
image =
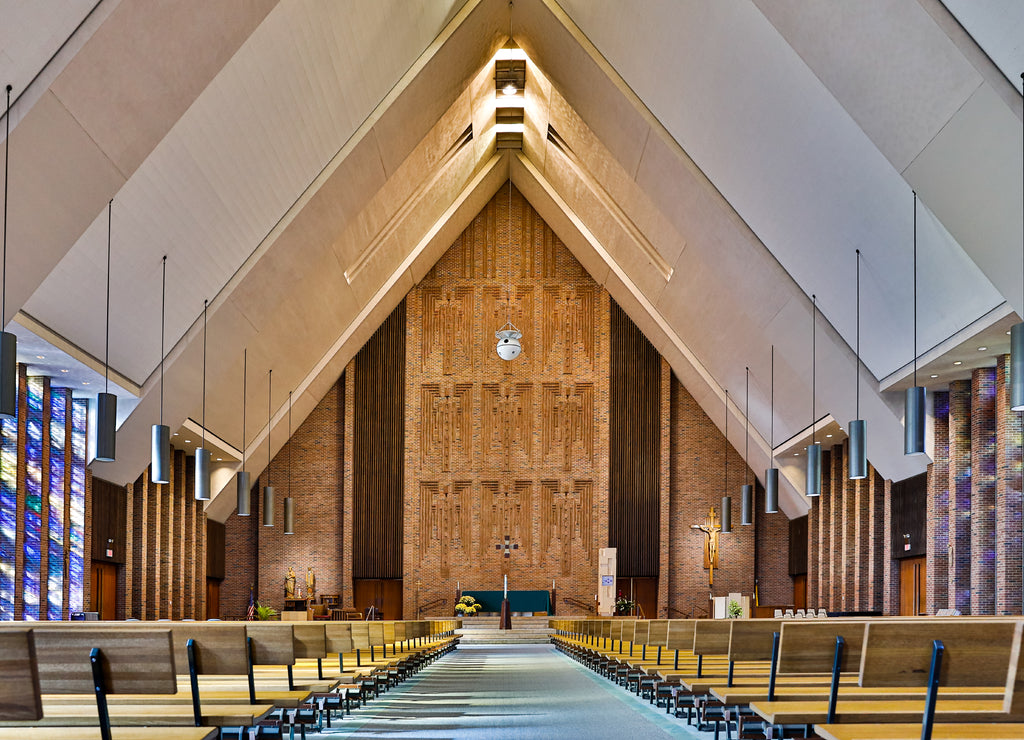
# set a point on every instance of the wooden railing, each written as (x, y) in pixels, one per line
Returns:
(579, 603)
(432, 604)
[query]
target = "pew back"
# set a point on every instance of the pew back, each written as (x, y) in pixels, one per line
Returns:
(680, 634)
(272, 644)
(136, 661)
(751, 639)
(900, 653)
(810, 646)
(19, 679)
(711, 636)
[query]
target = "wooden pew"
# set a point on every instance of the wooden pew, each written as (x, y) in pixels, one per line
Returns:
(898, 654)
(101, 663)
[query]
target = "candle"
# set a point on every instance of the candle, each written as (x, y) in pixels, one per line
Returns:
(506, 587)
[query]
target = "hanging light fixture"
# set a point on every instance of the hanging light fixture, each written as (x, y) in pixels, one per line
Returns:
(8, 341)
(1017, 349)
(858, 449)
(242, 476)
(106, 402)
(913, 430)
(726, 500)
(203, 454)
(160, 466)
(289, 502)
(813, 487)
(268, 490)
(508, 335)
(747, 490)
(771, 475)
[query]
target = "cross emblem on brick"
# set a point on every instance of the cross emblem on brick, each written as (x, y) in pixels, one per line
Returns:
(508, 545)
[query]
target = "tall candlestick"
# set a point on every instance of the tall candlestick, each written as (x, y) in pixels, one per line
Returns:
(506, 587)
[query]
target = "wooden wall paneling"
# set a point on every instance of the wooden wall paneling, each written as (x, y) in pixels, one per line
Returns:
(215, 532)
(798, 546)
(634, 448)
(379, 446)
(909, 512)
(109, 521)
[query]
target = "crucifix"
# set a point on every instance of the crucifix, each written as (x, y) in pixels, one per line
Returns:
(711, 527)
(508, 545)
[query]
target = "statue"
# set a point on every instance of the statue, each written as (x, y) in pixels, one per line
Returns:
(710, 528)
(310, 584)
(289, 584)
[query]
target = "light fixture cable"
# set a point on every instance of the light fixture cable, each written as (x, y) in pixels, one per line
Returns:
(205, 302)
(814, 365)
(106, 352)
(289, 444)
(270, 387)
(245, 379)
(163, 311)
(915, 287)
(857, 376)
(7, 162)
(746, 430)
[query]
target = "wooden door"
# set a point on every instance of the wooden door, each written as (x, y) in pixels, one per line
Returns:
(213, 598)
(800, 591)
(104, 589)
(644, 591)
(912, 586)
(385, 594)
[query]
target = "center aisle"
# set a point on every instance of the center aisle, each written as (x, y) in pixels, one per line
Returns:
(508, 691)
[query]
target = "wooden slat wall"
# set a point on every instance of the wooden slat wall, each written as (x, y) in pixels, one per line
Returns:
(109, 512)
(378, 451)
(634, 448)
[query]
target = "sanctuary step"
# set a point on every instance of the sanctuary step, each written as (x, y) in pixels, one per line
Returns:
(484, 631)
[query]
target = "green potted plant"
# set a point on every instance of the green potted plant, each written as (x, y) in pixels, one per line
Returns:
(265, 613)
(467, 606)
(734, 610)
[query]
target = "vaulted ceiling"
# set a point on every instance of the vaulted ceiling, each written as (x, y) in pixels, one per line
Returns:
(303, 163)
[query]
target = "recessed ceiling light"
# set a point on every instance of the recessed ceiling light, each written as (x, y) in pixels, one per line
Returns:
(982, 349)
(934, 376)
(796, 454)
(64, 371)
(188, 441)
(220, 459)
(1007, 333)
(85, 382)
(175, 434)
(43, 357)
(509, 89)
(828, 435)
(958, 362)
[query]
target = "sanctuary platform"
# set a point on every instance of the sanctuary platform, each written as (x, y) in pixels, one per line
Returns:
(484, 631)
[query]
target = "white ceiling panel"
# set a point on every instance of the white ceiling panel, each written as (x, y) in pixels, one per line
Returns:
(228, 170)
(996, 26)
(791, 161)
(33, 31)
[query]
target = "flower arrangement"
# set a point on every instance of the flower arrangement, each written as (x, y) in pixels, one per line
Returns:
(734, 610)
(624, 605)
(467, 606)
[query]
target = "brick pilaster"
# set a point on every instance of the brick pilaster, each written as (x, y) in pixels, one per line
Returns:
(960, 495)
(1007, 496)
(937, 562)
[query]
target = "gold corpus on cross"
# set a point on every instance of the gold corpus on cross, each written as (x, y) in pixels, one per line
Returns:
(711, 527)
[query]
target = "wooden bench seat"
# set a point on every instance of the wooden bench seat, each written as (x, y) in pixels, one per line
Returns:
(941, 731)
(64, 663)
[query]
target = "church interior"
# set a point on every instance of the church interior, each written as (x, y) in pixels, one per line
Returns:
(632, 321)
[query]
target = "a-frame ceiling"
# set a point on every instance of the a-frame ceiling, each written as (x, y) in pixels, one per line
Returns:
(302, 163)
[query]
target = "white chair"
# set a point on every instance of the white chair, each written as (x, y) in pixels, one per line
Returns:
(822, 614)
(778, 614)
(788, 614)
(800, 614)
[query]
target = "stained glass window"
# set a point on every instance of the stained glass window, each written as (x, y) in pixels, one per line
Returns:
(55, 579)
(8, 514)
(76, 539)
(33, 498)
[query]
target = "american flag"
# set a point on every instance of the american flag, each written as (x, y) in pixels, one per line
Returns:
(250, 614)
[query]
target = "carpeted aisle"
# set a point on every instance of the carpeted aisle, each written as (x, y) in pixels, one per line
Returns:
(508, 691)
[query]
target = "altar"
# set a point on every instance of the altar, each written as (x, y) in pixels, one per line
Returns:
(519, 601)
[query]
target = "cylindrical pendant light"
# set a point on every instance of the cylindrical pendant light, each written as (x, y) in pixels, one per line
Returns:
(289, 502)
(747, 491)
(160, 464)
(726, 501)
(813, 487)
(858, 448)
(913, 429)
(268, 490)
(771, 475)
(203, 454)
(1017, 347)
(8, 341)
(106, 402)
(242, 476)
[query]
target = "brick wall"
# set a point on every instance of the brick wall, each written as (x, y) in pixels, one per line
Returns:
(974, 498)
